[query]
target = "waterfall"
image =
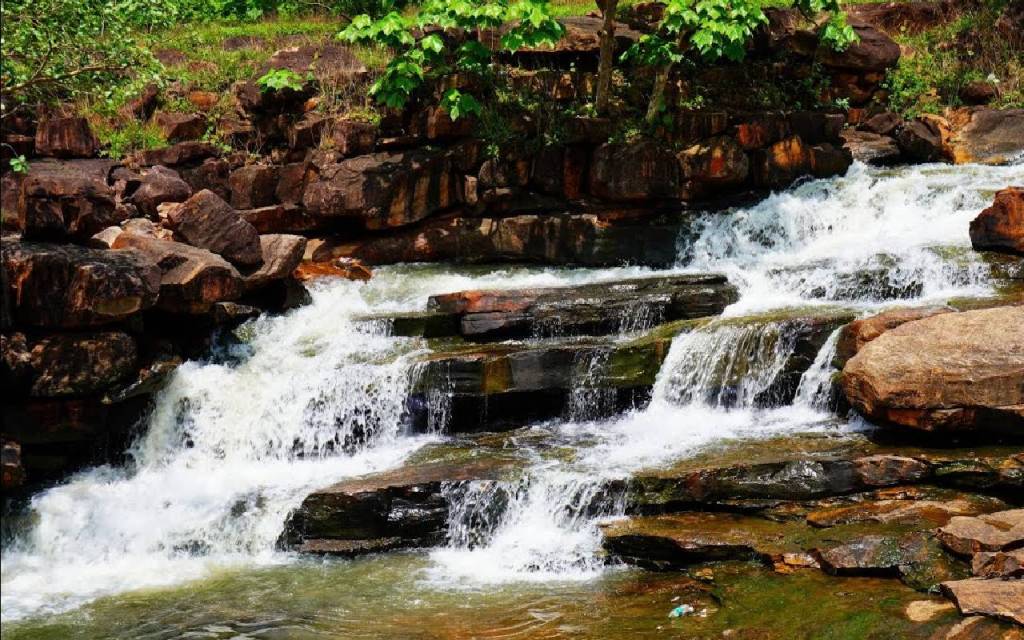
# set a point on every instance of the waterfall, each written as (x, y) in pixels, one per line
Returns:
(315, 396)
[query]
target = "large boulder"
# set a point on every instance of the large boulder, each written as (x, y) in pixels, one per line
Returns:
(383, 190)
(191, 279)
(718, 162)
(952, 371)
(66, 138)
(783, 162)
(153, 187)
(49, 285)
(206, 221)
(860, 332)
(178, 127)
(984, 135)
(69, 364)
(921, 139)
(281, 256)
(253, 186)
(67, 199)
(1000, 531)
(634, 171)
(871, 148)
(874, 51)
(997, 598)
(189, 152)
(1001, 226)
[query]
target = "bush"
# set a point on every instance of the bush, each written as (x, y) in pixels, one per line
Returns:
(57, 49)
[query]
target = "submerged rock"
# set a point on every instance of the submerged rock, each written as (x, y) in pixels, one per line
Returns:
(948, 372)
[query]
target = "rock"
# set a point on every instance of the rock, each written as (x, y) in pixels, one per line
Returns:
(383, 190)
(178, 127)
(331, 64)
(925, 610)
(308, 131)
(1000, 531)
(75, 364)
(189, 152)
(67, 286)
(156, 186)
(142, 106)
(347, 268)
(917, 558)
(921, 140)
(718, 162)
(279, 218)
(998, 564)
(253, 186)
(66, 138)
(13, 470)
(862, 331)
(353, 137)
(978, 92)
(281, 255)
(901, 505)
(984, 135)
(62, 199)
(634, 171)
(580, 40)
(884, 124)
(401, 508)
(203, 100)
(875, 51)
(597, 309)
(871, 148)
(783, 162)
(952, 371)
(206, 221)
(997, 598)
(830, 160)
(191, 279)
(1001, 226)
(212, 174)
(558, 171)
(904, 17)
(582, 239)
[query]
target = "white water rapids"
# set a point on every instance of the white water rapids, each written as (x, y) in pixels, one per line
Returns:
(234, 444)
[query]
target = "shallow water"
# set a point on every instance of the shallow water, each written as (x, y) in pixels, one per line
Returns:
(314, 396)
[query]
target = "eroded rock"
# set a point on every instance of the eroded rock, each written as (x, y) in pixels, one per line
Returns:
(1001, 226)
(281, 255)
(997, 598)
(206, 221)
(1000, 531)
(67, 199)
(70, 137)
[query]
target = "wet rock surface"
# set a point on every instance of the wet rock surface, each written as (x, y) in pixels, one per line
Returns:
(1001, 226)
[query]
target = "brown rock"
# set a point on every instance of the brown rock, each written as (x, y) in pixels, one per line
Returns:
(191, 279)
(984, 135)
(212, 174)
(279, 218)
(925, 610)
(178, 127)
(66, 138)
(328, 63)
(157, 186)
(347, 268)
(871, 148)
(203, 100)
(911, 16)
(716, 162)
(921, 140)
(143, 105)
(887, 470)
(353, 137)
(1003, 530)
(253, 186)
(1001, 226)
(189, 152)
(978, 92)
(874, 51)
(828, 160)
(76, 364)
(945, 372)
(998, 564)
(384, 189)
(581, 38)
(206, 221)
(634, 171)
(883, 124)
(68, 286)
(281, 255)
(61, 199)
(916, 557)
(308, 131)
(997, 598)
(860, 332)
(557, 170)
(13, 470)
(783, 162)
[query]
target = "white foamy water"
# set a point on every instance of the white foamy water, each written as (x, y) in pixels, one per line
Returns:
(313, 397)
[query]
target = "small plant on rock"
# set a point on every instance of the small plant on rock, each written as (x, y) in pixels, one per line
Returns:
(279, 79)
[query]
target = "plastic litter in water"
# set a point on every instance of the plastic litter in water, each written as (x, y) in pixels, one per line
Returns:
(680, 611)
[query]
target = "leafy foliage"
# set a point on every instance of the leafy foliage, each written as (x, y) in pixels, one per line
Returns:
(423, 52)
(55, 49)
(19, 164)
(277, 79)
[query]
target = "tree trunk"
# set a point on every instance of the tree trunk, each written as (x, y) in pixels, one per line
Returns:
(606, 62)
(658, 92)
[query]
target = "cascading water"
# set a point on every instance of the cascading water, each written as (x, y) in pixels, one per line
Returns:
(316, 396)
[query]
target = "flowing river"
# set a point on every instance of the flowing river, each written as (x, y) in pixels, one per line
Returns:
(181, 540)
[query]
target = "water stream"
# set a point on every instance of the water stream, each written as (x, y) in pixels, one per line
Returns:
(313, 396)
